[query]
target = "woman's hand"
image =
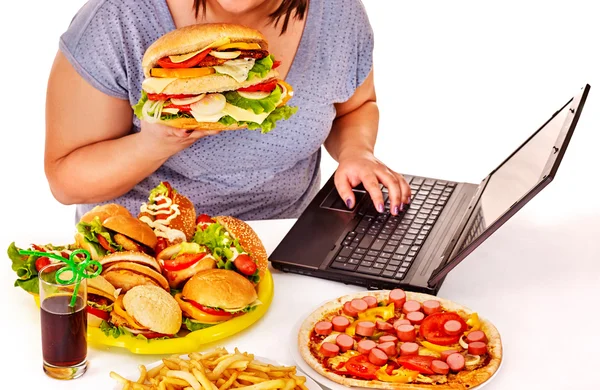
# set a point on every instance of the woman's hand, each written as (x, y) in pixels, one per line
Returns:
(362, 167)
(167, 140)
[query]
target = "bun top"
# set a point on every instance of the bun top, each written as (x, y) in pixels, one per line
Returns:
(186, 221)
(130, 256)
(196, 37)
(153, 308)
(248, 239)
(133, 228)
(100, 286)
(220, 288)
(104, 212)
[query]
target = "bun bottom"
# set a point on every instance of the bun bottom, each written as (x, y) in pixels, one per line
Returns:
(192, 124)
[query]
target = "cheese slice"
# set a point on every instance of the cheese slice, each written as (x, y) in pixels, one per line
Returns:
(184, 57)
(170, 110)
(239, 114)
(156, 84)
(207, 118)
(240, 45)
(238, 69)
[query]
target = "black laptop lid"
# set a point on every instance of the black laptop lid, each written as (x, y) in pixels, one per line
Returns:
(517, 180)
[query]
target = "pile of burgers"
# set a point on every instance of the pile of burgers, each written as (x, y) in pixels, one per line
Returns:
(165, 272)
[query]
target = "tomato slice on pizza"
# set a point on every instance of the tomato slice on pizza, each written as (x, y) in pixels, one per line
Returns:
(397, 339)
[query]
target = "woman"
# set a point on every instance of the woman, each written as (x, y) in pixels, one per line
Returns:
(97, 151)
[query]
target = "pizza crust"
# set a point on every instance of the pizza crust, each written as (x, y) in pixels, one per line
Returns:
(468, 380)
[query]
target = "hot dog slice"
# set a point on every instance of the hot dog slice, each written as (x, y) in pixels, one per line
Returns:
(403, 321)
(431, 306)
(349, 310)
(378, 357)
(476, 335)
(439, 367)
(359, 305)
(452, 328)
(447, 353)
(365, 328)
(387, 338)
(477, 348)
(371, 301)
(456, 362)
(345, 342)
(382, 325)
(406, 333)
(398, 297)
(323, 328)
(389, 347)
(409, 348)
(329, 349)
(416, 317)
(410, 306)
(340, 323)
(365, 346)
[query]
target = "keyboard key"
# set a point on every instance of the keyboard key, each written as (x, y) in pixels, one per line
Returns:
(412, 211)
(412, 253)
(379, 265)
(452, 185)
(429, 182)
(361, 230)
(378, 244)
(397, 236)
(345, 252)
(389, 248)
(369, 258)
(387, 274)
(393, 242)
(413, 231)
(416, 202)
(402, 249)
(431, 221)
(366, 241)
(435, 212)
(397, 257)
(372, 232)
(353, 261)
(385, 255)
(372, 253)
(406, 264)
(357, 256)
(346, 243)
(419, 242)
(360, 251)
(417, 181)
(427, 227)
(436, 192)
(368, 270)
(407, 242)
(394, 263)
(343, 266)
(383, 236)
(399, 275)
(390, 267)
(403, 269)
(438, 208)
(409, 258)
(366, 264)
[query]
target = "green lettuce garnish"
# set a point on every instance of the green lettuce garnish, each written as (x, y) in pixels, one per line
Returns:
(193, 326)
(24, 266)
(258, 106)
(107, 308)
(89, 232)
(261, 67)
(114, 331)
(137, 109)
(159, 190)
(280, 113)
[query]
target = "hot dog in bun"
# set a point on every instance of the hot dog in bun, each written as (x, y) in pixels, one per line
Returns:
(215, 295)
(213, 77)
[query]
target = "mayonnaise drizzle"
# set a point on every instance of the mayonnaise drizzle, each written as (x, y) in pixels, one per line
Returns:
(160, 226)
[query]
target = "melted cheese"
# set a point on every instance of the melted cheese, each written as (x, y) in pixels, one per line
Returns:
(207, 118)
(238, 69)
(155, 84)
(184, 57)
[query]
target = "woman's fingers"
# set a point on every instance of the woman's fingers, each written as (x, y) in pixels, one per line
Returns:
(405, 188)
(342, 184)
(395, 196)
(371, 184)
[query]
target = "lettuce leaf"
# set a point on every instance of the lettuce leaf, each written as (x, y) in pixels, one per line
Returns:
(111, 330)
(280, 113)
(261, 67)
(89, 231)
(259, 106)
(193, 326)
(137, 109)
(98, 306)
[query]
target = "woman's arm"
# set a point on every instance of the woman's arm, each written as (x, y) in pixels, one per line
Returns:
(90, 155)
(351, 143)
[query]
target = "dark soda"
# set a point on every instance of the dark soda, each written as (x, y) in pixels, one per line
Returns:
(64, 331)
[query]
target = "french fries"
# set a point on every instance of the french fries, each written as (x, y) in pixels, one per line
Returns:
(215, 370)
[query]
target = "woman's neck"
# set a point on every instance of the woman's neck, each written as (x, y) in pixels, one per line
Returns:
(255, 17)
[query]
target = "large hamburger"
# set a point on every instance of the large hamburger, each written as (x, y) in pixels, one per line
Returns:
(111, 228)
(213, 77)
(214, 296)
(101, 296)
(147, 310)
(126, 270)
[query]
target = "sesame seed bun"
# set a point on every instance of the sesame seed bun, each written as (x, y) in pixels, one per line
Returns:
(220, 288)
(153, 308)
(248, 239)
(196, 37)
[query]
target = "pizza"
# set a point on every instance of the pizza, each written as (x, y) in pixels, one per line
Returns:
(400, 340)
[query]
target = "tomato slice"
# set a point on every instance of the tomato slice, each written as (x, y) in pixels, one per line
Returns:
(361, 367)
(184, 107)
(276, 64)
(41, 263)
(209, 310)
(154, 335)
(267, 86)
(98, 313)
(104, 243)
(418, 363)
(204, 218)
(183, 261)
(189, 63)
(38, 248)
(432, 328)
(164, 96)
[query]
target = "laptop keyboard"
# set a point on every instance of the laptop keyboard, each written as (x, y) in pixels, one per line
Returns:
(385, 245)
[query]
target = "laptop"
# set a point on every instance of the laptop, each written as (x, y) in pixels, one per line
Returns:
(444, 222)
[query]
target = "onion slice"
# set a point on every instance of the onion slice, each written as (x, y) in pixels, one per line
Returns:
(225, 55)
(463, 343)
(188, 100)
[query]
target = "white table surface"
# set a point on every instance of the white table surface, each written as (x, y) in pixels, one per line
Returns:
(529, 279)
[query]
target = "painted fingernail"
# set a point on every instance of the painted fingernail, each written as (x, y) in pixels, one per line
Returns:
(380, 208)
(401, 206)
(396, 210)
(349, 203)
(409, 198)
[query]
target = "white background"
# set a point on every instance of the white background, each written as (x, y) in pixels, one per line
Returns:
(460, 85)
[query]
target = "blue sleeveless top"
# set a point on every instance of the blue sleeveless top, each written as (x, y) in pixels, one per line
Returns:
(242, 173)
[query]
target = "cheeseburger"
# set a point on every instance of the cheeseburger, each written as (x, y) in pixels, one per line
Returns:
(101, 296)
(126, 270)
(213, 77)
(215, 295)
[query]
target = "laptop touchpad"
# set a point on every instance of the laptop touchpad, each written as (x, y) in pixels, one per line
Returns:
(333, 201)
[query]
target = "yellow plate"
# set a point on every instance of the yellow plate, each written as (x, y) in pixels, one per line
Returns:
(192, 341)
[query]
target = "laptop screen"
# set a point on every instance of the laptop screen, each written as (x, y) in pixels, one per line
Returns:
(514, 183)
